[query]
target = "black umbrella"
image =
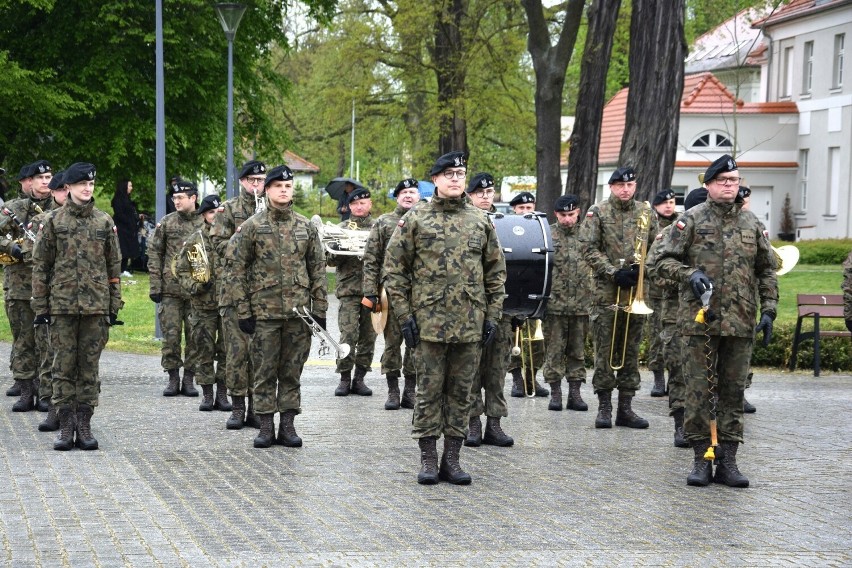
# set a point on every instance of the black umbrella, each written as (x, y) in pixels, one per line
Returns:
(337, 186)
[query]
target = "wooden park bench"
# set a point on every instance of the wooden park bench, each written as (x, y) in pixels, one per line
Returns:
(816, 307)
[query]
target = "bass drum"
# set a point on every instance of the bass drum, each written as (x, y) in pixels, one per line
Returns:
(527, 245)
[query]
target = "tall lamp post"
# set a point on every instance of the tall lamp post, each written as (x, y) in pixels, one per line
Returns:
(230, 14)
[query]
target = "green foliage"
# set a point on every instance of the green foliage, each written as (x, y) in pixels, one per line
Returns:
(835, 353)
(821, 251)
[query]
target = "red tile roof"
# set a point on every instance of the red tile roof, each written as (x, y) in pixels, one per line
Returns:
(299, 164)
(798, 8)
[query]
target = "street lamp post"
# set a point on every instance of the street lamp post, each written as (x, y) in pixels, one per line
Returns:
(230, 14)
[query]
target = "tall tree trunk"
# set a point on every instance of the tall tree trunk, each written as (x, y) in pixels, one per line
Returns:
(657, 50)
(550, 63)
(450, 70)
(582, 176)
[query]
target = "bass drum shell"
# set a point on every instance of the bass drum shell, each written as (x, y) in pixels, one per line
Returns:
(528, 247)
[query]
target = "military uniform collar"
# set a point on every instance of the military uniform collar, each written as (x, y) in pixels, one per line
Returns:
(247, 197)
(188, 215)
(400, 210)
(450, 203)
(282, 214)
(83, 210)
(566, 230)
(723, 208)
(622, 205)
(361, 222)
(44, 204)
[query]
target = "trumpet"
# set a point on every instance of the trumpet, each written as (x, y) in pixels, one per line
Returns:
(336, 240)
(342, 349)
(525, 336)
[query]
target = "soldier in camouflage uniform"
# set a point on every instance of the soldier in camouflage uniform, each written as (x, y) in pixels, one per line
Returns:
(232, 214)
(609, 236)
(77, 292)
(278, 266)
(407, 195)
(664, 212)
(716, 244)
(846, 286)
(353, 317)
(567, 318)
(446, 274)
(205, 323)
(173, 305)
(17, 282)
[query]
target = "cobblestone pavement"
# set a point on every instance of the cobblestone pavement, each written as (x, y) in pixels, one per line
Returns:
(170, 486)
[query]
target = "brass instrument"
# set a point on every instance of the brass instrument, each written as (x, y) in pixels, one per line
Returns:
(786, 258)
(341, 349)
(199, 263)
(7, 259)
(339, 241)
(524, 335)
(636, 297)
(259, 202)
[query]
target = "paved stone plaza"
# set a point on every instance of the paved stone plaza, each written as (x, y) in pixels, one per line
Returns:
(171, 487)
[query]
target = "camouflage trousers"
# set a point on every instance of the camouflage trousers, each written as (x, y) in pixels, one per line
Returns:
(174, 323)
(392, 359)
(205, 328)
(237, 354)
(24, 358)
(673, 361)
(654, 326)
(279, 349)
(729, 358)
(77, 345)
(45, 362)
(356, 329)
(627, 378)
(538, 349)
(445, 374)
(491, 374)
(565, 343)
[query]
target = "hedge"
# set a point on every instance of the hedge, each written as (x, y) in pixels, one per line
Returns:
(821, 251)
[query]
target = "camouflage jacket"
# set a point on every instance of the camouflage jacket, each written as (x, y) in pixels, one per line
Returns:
(377, 245)
(571, 288)
(200, 296)
(163, 247)
(232, 213)
(847, 287)
(276, 263)
(656, 287)
(350, 269)
(33, 225)
(732, 250)
(445, 266)
(609, 234)
(76, 263)
(18, 277)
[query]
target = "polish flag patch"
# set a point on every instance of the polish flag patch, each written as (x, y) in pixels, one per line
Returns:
(590, 214)
(400, 223)
(680, 225)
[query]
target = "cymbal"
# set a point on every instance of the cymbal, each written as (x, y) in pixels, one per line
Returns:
(380, 319)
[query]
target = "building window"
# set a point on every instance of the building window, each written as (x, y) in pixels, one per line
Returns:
(808, 70)
(837, 71)
(711, 140)
(803, 181)
(787, 72)
(833, 201)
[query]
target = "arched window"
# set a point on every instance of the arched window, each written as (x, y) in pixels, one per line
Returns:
(711, 140)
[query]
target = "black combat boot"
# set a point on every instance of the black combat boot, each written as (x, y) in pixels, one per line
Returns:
(266, 437)
(409, 391)
(494, 434)
(575, 400)
(174, 383)
(604, 418)
(238, 414)
(188, 388)
(517, 384)
(221, 402)
(345, 385)
(207, 401)
(287, 430)
(555, 396)
(15, 389)
(358, 385)
(428, 461)
(748, 407)
(474, 432)
(659, 388)
(702, 469)
(535, 386)
(393, 391)
(450, 469)
(65, 440)
(25, 402)
(252, 421)
(43, 405)
(727, 472)
(625, 415)
(50, 422)
(85, 440)
(679, 437)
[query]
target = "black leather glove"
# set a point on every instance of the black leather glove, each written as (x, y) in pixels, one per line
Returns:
(517, 323)
(42, 319)
(247, 325)
(16, 251)
(699, 283)
(765, 325)
(489, 332)
(321, 321)
(849, 324)
(207, 286)
(410, 332)
(156, 298)
(626, 277)
(113, 320)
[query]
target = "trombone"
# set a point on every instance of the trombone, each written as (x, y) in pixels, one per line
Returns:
(525, 336)
(342, 349)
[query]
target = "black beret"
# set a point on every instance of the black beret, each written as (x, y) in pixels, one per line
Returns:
(724, 164)
(24, 172)
(482, 180)
(522, 197)
(358, 193)
(183, 186)
(278, 173)
(252, 168)
(57, 181)
(450, 160)
(566, 203)
(695, 197)
(40, 167)
(622, 175)
(79, 171)
(744, 192)
(406, 184)
(664, 195)
(208, 203)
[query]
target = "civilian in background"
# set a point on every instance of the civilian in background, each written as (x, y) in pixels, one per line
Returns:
(127, 222)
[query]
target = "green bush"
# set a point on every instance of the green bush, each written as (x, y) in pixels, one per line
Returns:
(835, 353)
(821, 251)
